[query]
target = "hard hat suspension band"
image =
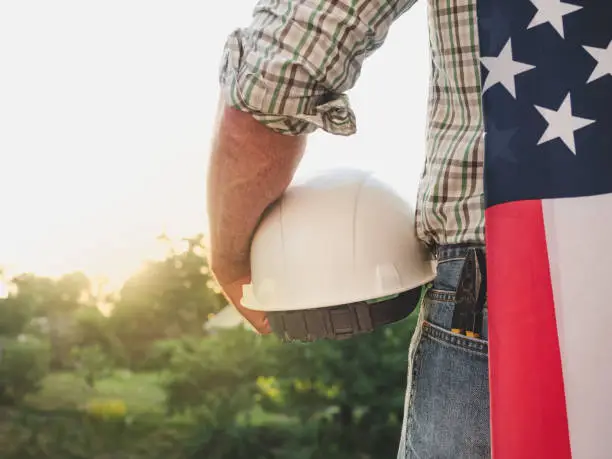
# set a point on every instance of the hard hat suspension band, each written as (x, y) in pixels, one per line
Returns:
(345, 321)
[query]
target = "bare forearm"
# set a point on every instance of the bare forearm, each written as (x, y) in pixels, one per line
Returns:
(250, 167)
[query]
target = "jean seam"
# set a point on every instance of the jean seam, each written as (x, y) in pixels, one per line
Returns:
(415, 371)
(463, 343)
(448, 260)
(444, 253)
(441, 296)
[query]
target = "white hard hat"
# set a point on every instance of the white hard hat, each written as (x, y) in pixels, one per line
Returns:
(334, 252)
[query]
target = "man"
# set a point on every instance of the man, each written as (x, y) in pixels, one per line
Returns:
(285, 76)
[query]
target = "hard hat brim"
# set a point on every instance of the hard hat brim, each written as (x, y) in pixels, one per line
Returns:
(343, 321)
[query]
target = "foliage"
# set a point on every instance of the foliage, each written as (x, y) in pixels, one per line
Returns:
(54, 296)
(149, 382)
(348, 395)
(24, 362)
(163, 351)
(277, 441)
(107, 409)
(167, 299)
(220, 381)
(349, 375)
(31, 434)
(67, 391)
(55, 300)
(15, 314)
(93, 329)
(91, 363)
(215, 379)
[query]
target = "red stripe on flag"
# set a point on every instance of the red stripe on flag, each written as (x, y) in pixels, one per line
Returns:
(528, 411)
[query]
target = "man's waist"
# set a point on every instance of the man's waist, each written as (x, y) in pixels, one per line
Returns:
(447, 252)
(441, 222)
(454, 263)
(459, 295)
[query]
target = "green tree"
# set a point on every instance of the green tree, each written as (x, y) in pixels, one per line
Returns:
(24, 362)
(92, 328)
(167, 299)
(352, 389)
(91, 363)
(343, 398)
(56, 300)
(216, 378)
(15, 314)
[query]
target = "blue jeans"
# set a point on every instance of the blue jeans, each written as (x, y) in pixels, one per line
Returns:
(447, 398)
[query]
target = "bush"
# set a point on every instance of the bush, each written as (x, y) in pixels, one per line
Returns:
(352, 390)
(215, 378)
(24, 362)
(92, 328)
(163, 351)
(107, 409)
(91, 363)
(337, 399)
(31, 434)
(14, 315)
(251, 397)
(280, 441)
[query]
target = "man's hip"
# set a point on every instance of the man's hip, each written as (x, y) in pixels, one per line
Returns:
(447, 398)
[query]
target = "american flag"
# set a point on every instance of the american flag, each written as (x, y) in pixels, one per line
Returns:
(547, 102)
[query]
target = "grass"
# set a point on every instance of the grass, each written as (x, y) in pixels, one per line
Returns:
(51, 424)
(259, 417)
(141, 392)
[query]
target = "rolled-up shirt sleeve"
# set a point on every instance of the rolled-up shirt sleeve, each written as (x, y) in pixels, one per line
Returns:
(291, 68)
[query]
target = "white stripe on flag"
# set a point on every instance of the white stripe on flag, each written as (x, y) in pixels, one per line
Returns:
(579, 240)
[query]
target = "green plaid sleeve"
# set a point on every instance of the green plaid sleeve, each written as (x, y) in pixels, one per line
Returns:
(291, 68)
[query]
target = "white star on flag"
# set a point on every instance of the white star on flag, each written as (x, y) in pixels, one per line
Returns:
(503, 69)
(603, 56)
(552, 11)
(562, 124)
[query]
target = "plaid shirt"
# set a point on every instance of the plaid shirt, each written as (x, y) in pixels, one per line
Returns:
(293, 65)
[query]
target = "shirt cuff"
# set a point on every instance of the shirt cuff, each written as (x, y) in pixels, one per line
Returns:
(284, 107)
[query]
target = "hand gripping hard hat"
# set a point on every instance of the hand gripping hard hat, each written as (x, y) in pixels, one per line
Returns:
(336, 256)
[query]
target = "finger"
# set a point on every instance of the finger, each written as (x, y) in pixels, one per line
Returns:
(257, 319)
(261, 326)
(265, 329)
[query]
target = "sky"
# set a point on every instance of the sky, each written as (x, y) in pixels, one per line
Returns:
(106, 114)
